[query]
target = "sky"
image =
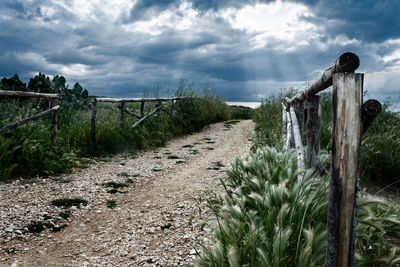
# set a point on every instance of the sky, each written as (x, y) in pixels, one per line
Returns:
(246, 50)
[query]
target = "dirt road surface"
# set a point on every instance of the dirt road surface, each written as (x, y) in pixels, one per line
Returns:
(159, 218)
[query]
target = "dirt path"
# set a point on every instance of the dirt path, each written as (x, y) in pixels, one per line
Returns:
(158, 221)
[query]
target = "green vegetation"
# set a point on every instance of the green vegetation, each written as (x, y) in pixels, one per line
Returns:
(270, 218)
(380, 160)
(35, 227)
(28, 150)
(111, 204)
(173, 157)
(115, 185)
(242, 113)
(65, 214)
(68, 202)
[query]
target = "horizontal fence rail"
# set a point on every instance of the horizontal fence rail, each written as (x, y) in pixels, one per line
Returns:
(346, 63)
(126, 100)
(142, 117)
(351, 118)
(53, 110)
(27, 94)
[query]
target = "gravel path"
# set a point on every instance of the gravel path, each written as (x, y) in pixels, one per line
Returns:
(159, 218)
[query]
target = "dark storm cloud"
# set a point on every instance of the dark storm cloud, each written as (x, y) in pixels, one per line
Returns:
(111, 60)
(367, 20)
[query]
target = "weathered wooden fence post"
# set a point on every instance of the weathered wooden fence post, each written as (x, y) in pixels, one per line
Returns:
(297, 140)
(313, 129)
(54, 120)
(347, 102)
(284, 123)
(142, 109)
(122, 111)
(299, 109)
(289, 131)
(159, 104)
(93, 122)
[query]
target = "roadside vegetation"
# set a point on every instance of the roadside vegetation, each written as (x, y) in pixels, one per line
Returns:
(28, 150)
(268, 218)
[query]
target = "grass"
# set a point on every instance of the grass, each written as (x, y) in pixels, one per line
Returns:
(65, 214)
(111, 204)
(380, 160)
(69, 202)
(35, 227)
(216, 166)
(270, 218)
(28, 150)
(187, 146)
(242, 113)
(115, 185)
(228, 124)
(194, 152)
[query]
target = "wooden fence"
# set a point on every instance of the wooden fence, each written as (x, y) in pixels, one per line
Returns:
(351, 119)
(53, 110)
(141, 116)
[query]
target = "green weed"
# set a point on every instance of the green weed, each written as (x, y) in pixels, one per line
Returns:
(115, 185)
(194, 152)
(111, 204)
(68, 202)
(65, 214)
(187, 146)
(35, 227)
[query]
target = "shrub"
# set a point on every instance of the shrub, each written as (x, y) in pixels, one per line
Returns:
(380, 160)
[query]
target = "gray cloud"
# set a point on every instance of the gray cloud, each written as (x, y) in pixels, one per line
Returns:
(110, 60)
(367, 20)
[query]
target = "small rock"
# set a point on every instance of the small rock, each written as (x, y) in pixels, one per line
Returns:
(18, 232)
(193, 252)
(10, 229)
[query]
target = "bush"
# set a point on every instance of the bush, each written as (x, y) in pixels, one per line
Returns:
(380, 157)
(242, 113)
(268, 119)
(380, 160)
